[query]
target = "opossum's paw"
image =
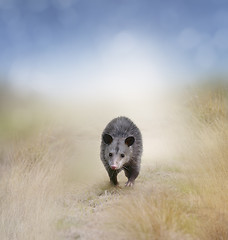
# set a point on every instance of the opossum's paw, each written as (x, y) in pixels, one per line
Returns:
(129, 184)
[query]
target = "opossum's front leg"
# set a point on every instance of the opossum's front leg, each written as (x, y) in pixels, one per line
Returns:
(131, 174)
(113, 177)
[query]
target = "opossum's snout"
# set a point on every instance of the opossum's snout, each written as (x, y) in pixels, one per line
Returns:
(116, 162)
(114, 167)
(112, 162)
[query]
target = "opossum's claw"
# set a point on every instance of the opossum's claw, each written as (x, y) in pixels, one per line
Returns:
(129, 184)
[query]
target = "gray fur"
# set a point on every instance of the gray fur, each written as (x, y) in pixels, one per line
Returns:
(123, 141)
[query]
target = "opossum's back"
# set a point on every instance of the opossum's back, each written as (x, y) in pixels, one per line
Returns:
(123, 127)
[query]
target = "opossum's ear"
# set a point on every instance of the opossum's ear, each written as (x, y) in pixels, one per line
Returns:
(107, 138)
(129, 141)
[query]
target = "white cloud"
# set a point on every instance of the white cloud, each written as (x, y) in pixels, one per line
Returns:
(124, 67)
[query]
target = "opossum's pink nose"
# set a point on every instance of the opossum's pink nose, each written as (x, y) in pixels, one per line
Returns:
(113, 167)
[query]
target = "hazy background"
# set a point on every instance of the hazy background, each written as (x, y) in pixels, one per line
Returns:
(91, 49)
(98, 59)
(67, 67)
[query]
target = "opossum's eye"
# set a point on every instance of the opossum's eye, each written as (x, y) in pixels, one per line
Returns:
(129, 141)
(107, 138)
(122, 155)
(110, 154)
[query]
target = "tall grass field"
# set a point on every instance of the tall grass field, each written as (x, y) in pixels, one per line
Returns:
(54, 186)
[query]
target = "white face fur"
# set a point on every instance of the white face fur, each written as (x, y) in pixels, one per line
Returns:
(118, 151)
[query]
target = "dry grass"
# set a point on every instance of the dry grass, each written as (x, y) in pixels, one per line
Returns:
(53, 186)
(31, 187)
(210, 166)
(153, 214)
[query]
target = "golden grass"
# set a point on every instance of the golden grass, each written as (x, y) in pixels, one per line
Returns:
(210, 167)
(53, 185)
(31, 187)
(152, 215)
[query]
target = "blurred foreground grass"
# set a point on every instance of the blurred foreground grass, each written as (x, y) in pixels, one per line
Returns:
(53, 185)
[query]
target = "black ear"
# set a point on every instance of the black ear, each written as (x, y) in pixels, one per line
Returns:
(129, 141)
(107, 138)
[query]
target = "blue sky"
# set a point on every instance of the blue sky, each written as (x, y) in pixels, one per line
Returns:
(80, 45)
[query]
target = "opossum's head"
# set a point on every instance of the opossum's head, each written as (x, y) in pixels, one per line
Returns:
(118, 150)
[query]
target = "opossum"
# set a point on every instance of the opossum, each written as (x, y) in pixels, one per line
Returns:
(121, 149)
